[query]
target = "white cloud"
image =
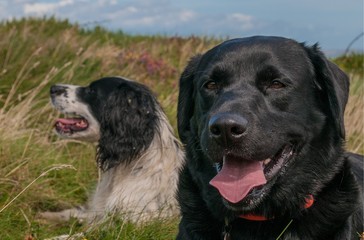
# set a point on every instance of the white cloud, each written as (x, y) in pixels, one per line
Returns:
(107, 2)
(186, 16)
(243, 21)
(63, 3)
(45, 8)
(131, 9)
(123, 14)
(162, 18)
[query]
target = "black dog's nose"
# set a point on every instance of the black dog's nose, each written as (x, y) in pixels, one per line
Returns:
(57, 89)
(227, 128)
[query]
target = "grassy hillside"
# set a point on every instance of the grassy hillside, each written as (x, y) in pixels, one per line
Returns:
(38, 171)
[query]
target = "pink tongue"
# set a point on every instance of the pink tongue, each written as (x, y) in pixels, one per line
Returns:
(237, 178)
(68, 124)
(68, 121)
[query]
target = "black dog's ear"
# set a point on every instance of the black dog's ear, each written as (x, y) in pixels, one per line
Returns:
(127, 127)
(333, 85)
(186, 98)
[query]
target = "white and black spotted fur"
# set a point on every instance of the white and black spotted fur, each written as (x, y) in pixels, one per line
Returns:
(137, 152)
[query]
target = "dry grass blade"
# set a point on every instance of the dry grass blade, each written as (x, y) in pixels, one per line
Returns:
(20, 77)
(54, 168)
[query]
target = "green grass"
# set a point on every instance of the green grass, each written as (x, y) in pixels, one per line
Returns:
(35, 172)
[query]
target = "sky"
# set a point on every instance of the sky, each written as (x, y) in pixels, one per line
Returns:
(331, 23)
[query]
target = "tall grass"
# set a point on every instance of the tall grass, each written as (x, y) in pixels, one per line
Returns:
(353, 64)
(35, 166)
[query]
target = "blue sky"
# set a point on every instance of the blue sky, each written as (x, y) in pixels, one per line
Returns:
(332, 23)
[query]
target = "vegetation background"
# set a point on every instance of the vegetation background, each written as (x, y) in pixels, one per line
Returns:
(39, 171)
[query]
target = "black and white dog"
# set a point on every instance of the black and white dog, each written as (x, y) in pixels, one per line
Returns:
(137, 151)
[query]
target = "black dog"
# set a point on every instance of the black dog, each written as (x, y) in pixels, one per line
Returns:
(262, 120)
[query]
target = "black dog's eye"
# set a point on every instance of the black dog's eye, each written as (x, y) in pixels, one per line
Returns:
(211, 85)
(275, 84)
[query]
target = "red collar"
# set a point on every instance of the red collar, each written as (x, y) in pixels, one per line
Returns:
(309, 202)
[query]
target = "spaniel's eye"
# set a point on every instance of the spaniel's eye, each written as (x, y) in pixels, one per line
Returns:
(90, 91)
(211, 85)
(275, 84)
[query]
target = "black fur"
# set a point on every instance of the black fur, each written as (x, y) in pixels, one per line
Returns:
(127, 117)
(286, 93)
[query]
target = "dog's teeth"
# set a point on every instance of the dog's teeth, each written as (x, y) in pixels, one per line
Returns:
(218, 167)
(81, 123)
(265, 162)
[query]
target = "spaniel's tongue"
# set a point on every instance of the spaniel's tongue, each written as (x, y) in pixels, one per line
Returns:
(74, 124)
(237, 178)
(68, 121)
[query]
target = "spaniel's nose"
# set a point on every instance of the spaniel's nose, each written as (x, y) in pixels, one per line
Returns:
(58, 89)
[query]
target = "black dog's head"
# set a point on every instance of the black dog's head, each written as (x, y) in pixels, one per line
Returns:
(118, 113)
(262, 110)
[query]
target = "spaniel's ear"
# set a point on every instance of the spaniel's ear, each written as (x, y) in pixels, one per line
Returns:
(186, 98)
(127, 127)
(333, 85)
